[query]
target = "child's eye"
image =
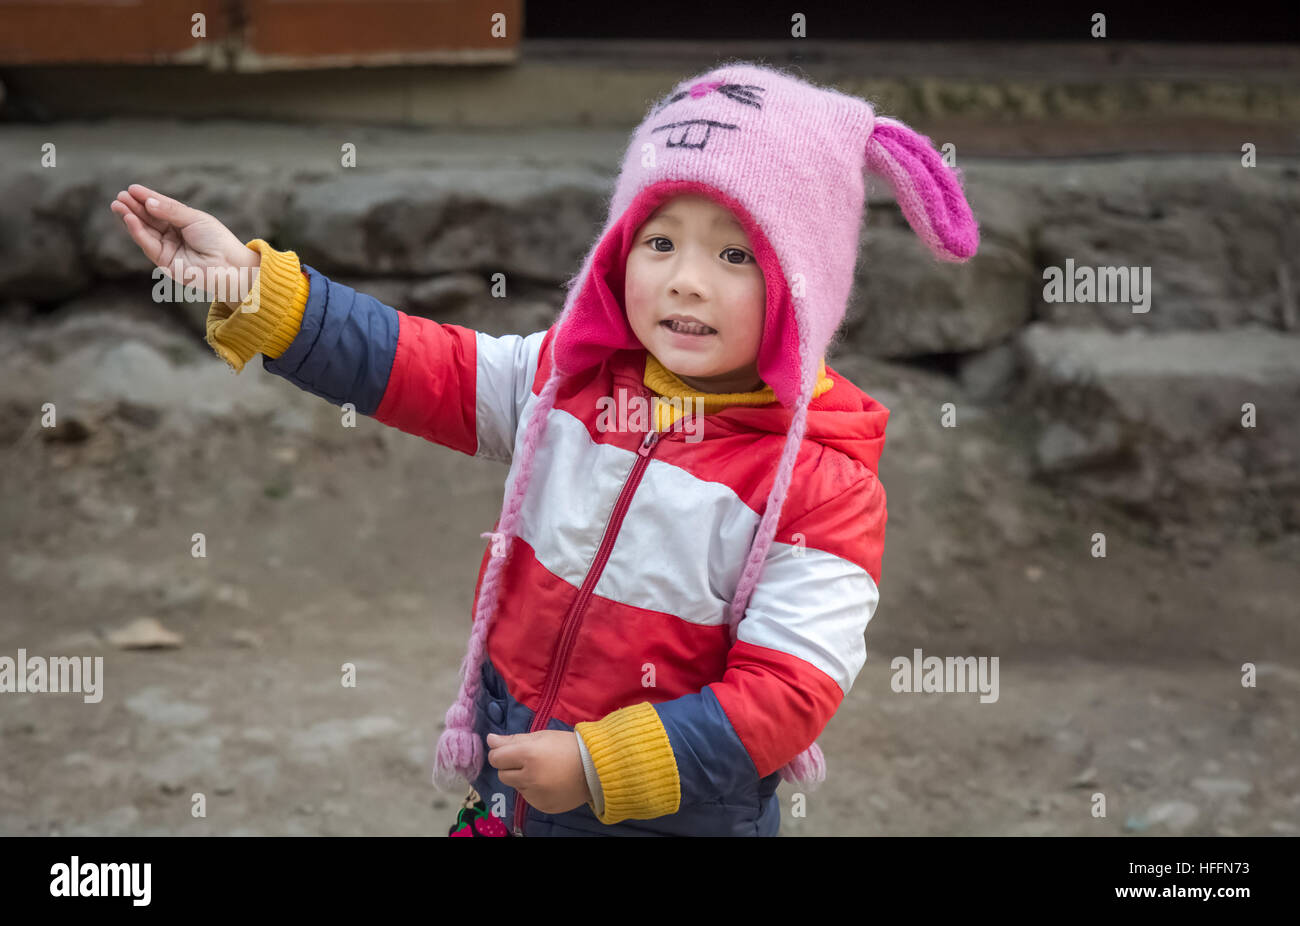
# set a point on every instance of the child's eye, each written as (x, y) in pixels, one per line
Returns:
(729, 251)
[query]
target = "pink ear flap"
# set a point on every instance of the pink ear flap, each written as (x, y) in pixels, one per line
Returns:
(928, 191)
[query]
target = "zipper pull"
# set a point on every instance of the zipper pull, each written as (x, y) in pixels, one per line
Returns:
(651, 438)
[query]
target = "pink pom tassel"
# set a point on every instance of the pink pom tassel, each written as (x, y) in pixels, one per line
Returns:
(808, 769)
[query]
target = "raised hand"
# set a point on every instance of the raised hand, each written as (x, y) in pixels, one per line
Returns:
(184, 241)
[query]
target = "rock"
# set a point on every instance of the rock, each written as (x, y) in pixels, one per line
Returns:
(180, 590)
(1276, 672)
(159, 705)
(1222, 787)
(233, 595)
(1033, 805)
(1069, 740)
(339, 734)
(38, 222)
(261, 772)
(74, 426)
(1085, 779)
(17, 311)
(1012, 525)
(1154, 420)
(1177, 816)
(138, 414)
(120, 821)
(77, 640)
(245, 638)
(988, 375)
(531, 222)
(1214, 236)
(96, 509)
(1061, 447)
(1136, 824)
(145, 633)
(188, 767)
(94, 366)
(949, 308)
(1176, 384)
(448, 293)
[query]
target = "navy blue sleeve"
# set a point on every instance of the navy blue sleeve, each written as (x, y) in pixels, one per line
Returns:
(712, 763)
(344, 349)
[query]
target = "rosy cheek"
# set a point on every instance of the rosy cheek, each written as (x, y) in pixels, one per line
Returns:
(637, 293)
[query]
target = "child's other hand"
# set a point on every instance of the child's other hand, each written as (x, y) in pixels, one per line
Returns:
(545, 767)
(181, 240)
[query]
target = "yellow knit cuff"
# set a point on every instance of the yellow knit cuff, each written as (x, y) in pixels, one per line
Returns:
(635, 762)
(268, 319)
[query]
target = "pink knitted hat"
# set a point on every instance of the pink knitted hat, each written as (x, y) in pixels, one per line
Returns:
(787, 159)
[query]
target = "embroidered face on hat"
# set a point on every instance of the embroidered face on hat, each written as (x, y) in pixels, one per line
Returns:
(695, 133)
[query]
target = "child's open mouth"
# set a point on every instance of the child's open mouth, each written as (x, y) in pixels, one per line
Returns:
(688, 328)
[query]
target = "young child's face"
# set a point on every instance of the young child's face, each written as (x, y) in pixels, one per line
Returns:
(691, 257)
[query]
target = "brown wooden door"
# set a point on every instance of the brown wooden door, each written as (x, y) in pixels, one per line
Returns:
(255, 35)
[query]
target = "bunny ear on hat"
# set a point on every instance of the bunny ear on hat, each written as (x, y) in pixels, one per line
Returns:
(928, 191)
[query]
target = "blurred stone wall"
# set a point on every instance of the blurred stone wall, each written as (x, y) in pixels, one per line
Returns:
(1186, 411)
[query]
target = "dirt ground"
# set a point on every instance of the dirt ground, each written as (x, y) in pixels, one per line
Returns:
(327, 545)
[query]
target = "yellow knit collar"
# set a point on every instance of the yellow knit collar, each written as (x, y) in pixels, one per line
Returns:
(666, 383)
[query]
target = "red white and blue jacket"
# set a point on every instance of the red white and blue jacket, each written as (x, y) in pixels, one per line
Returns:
(612, 614)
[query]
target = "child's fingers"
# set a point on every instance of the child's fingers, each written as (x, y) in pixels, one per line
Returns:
(505, 757)
(137, 207)
(142, 193)
(147, 238)
(164, 207)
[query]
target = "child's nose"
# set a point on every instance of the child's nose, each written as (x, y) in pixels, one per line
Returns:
(686, 288)
(688, 279)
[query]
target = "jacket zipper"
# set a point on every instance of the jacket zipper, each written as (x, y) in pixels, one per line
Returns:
(569, 632)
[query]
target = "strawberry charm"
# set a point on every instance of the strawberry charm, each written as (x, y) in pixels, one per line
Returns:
(488, 825)
(474, 820)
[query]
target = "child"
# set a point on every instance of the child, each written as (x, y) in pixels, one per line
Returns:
(671, 606)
